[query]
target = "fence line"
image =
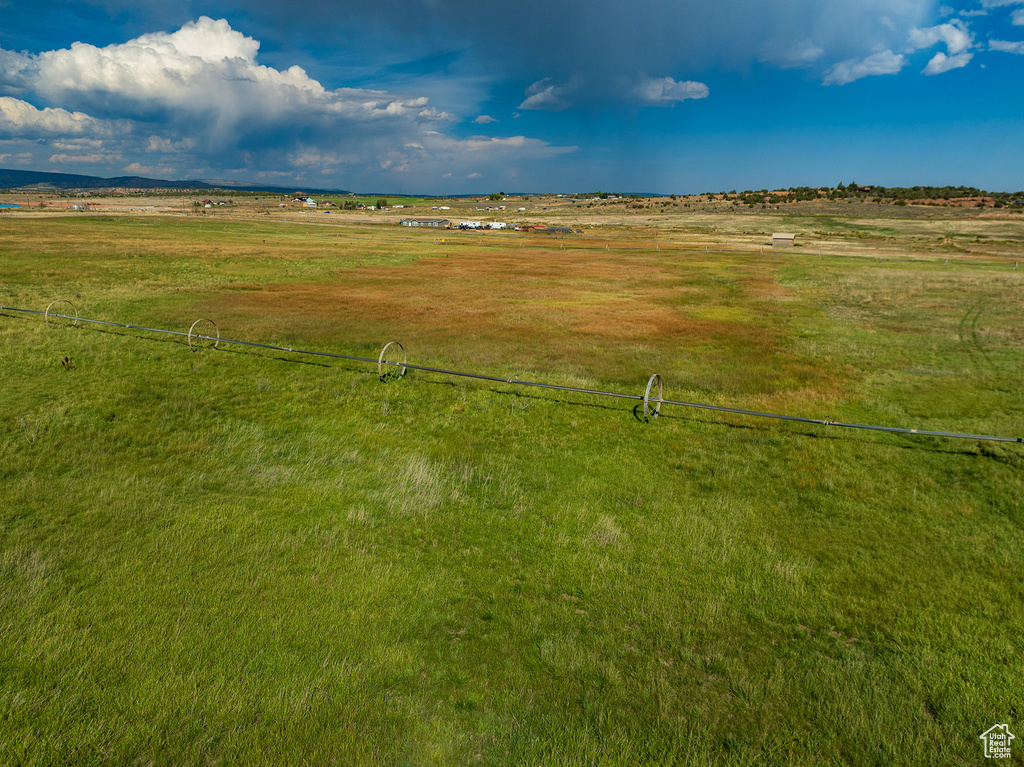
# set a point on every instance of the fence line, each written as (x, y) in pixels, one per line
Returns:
(649, 412)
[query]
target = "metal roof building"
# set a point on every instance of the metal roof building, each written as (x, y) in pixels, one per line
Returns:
(437, 223)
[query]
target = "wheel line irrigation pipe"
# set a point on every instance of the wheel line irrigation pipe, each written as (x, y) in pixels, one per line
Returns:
(651, 405)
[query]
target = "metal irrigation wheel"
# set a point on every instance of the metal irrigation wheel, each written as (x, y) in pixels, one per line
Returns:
(47, 315)
(649, 414)
(199, 336)
(391, 360)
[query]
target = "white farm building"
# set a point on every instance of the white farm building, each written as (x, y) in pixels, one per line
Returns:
(436, 223)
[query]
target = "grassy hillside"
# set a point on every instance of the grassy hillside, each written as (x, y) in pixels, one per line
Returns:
(254, 557)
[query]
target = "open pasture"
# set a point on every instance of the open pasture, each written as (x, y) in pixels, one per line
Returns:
(242, 556)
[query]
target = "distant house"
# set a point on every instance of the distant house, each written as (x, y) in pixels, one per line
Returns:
(780, 240)
(436, 223)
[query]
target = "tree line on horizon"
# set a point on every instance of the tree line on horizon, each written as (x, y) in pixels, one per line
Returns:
(895, 195)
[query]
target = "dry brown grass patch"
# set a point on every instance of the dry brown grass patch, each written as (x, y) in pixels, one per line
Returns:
(540, 309)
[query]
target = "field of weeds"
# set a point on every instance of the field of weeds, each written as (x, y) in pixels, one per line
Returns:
(243, 555)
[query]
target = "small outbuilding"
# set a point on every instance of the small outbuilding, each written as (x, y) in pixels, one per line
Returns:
(780, 240)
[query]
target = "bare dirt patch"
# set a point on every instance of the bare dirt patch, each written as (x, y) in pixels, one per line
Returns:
(552, 310)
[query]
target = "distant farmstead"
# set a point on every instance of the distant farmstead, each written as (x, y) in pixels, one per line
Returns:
(436, 223)
(783, 240)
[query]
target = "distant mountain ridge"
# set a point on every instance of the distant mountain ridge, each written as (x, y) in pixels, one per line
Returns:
(32, 179)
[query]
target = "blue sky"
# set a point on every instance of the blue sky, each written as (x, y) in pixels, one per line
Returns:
(425, 96)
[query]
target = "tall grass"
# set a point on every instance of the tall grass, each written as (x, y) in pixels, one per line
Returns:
(234, 556)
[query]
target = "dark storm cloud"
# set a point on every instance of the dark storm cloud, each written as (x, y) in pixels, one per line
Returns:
(600, 40)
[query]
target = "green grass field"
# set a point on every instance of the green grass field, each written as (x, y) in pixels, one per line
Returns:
(243, 556)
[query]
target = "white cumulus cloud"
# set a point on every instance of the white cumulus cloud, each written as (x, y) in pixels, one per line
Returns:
(205, 76)
(882, 63)
(76, 144)
(85, 159)
(21, 119)
(206, 73)
(199, 98)
(958, 41)
(166, 145)
(664, 91)
(1006, 46)
(24, 158)
(138, 169)
(954, 34)
(940, 63)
